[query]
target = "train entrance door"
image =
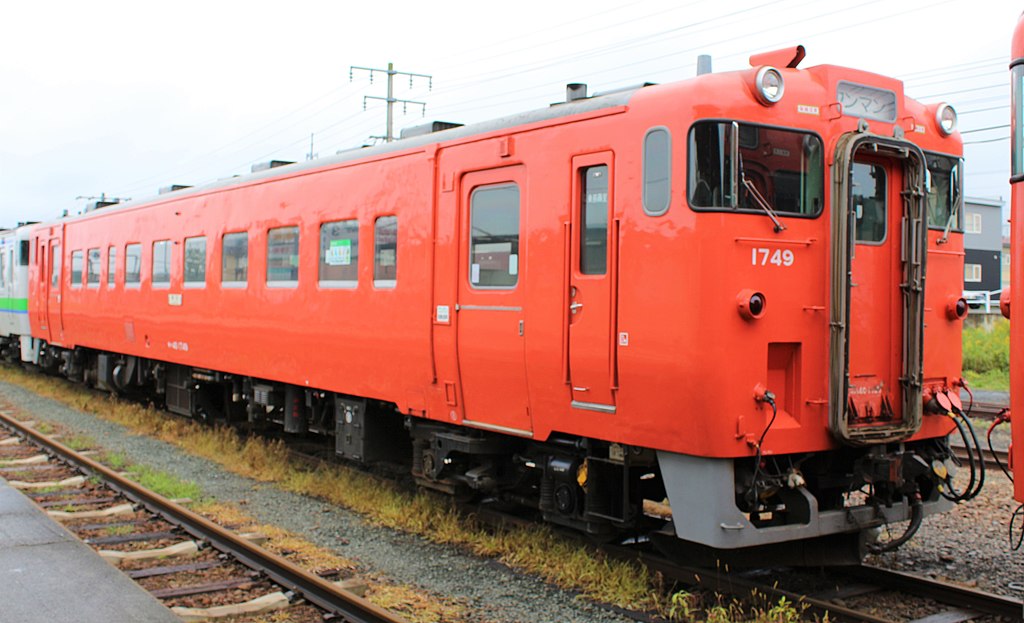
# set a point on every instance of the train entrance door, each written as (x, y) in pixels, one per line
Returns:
(882, 310)
(41, 315)
(50, 289)
(491, 325)
(591, 309)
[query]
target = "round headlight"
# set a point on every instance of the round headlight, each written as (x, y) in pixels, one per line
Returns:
(945, 118)
(770, 85)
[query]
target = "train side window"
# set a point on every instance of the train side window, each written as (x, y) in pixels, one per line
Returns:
(594, 220)
(76, 269)
(385, 251)
(132, 264)
(494, 237)
(92, 268)
(195, 262)
(234, 263)
(657, 171)
(55, 263)
(162, 263)
(339, 254)
(111, 265)
(869, 202)
(283, 257)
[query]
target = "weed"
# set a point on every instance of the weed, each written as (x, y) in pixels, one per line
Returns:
(80, 442)
(118, 530)
(986, 355)
(164, 483)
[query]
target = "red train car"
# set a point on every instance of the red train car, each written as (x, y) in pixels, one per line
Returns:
(1016, 312)
(709, 295)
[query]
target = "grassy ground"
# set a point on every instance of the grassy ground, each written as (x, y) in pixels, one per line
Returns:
(534, 550)
(987, 356)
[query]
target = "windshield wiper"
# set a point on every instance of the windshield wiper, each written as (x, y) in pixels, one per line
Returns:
(954, 209)
(759, 198)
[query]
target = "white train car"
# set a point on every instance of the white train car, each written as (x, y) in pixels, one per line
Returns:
(14, 318)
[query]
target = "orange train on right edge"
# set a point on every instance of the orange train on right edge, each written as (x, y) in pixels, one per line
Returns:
(1016, 312)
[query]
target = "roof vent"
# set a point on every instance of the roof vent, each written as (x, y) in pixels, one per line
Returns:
(172, 188)
(703, 64)
(428, 128)
(575, 91)
(96, 205)
(273, 164)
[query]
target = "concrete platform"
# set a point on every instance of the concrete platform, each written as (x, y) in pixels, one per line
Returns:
(47, 574)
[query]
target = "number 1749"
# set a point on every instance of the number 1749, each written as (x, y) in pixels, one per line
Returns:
(776, 257)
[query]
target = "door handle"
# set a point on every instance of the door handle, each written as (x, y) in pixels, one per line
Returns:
(575, 307)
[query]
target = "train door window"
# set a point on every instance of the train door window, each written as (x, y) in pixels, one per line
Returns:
(869, 202)
(132, 264)
(657, 171)
(92, 268)
(195, 262)
(385, 252)
(111, 265)
(76, 269)
(3, 270)
(494, 237)
(234, 262)
(283, 257)
(23, 253)
(339, 254)
(594, 221)
(944, 192)
(55, 266)
(162, 263)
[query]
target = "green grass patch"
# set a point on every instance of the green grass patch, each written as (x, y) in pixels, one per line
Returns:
(986, 358)
(164, 483)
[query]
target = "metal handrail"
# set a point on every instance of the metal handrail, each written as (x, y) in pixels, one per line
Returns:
(985, 298)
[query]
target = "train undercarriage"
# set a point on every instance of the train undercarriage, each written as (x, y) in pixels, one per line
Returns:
(813, 508)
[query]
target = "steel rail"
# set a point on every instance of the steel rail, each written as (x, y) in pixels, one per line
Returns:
(313, 588)
(951, 594)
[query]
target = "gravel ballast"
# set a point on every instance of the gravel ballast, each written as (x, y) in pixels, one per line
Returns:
(491, 591)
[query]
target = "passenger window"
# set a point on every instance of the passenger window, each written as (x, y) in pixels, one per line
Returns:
(339, 254)
(132, 264)
(234, 263)
(92, 268)
(162, 262)
(869, 201)
(494, 237)
(283, 256)
(55, 266)
(594, 221)
(76, 269)
(385, 251)
(111, 265)
(195, 261)
(657, 171)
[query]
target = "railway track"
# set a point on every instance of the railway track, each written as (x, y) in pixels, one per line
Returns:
(295, 583)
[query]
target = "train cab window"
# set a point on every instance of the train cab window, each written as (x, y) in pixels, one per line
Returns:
(494, 237)
(944, 193)
(594, 221)
(92, 268)
(76, 269)
(111, 265)
(132, 264)
(339, 254)
(283, 257)
(744, 167)
(869, 202)
(657, 172)
(195, 262)
(234, 261)
(162, 263)
(385, 252)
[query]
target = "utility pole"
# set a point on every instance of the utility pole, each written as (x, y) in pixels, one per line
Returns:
(390, 99)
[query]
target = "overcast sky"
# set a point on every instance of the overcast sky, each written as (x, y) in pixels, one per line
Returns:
(122, 98)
